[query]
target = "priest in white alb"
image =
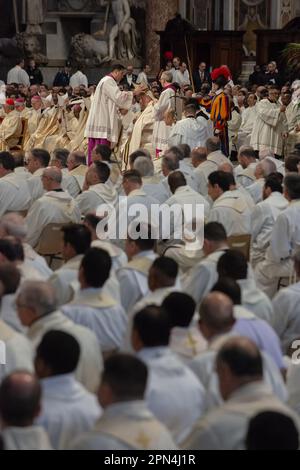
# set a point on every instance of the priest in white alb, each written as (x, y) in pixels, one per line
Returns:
(102, 124)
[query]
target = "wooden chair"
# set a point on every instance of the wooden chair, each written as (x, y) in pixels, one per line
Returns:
(241, 243)
(50, 242)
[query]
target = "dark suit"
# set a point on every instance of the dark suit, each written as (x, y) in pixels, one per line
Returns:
(198, 81)
(125, 83)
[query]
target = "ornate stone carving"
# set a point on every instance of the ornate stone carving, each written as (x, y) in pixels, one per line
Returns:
(87, 50)
(33, 47)
(252, 15)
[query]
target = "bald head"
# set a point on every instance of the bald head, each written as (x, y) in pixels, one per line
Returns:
(199, 155)
(216, 315)
(20, 397)
(239, 362)
(265, 168)
(13, 225)
(52, 178)
(75, 159)
(176, 180)
(226, 167)
(35, 299)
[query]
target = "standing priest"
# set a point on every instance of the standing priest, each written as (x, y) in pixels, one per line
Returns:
(102, 125)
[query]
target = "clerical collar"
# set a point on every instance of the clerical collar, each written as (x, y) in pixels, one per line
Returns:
(111, 76)
(58, 190)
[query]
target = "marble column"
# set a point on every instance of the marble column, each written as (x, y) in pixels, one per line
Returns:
(158, 13)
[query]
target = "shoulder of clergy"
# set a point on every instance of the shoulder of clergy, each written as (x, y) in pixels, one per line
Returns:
(6, 332)
(187, 342)
(141, 264)
(249, 172)
(94, 300)
(140, 433)
(232, 201)
(13, 180)
(113, 250)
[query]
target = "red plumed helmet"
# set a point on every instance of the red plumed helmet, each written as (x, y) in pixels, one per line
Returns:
(221, 71)
(168, 55)
(9, 102)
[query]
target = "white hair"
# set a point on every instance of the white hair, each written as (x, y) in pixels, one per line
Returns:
(38, 296)
(144, 166)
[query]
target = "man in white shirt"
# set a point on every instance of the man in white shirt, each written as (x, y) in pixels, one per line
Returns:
(133, 277)
(285, 241)
(230, 208)
(76, 241)
(20, 405)
(233, 264)
(264, 216)
(97, 190)
(190, 130)
(37, 161)
(174, 394)
(126, 423)
(245, 395)
(56, 206)
(78, 79)
(36, 307)
(68, 409)
(14, 190)
(92, 307)
(18, 75)
(143, 75)
(215, 158)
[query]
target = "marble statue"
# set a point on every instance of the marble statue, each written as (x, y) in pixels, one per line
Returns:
(86, 50)
(35, 14)
(123, 38)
